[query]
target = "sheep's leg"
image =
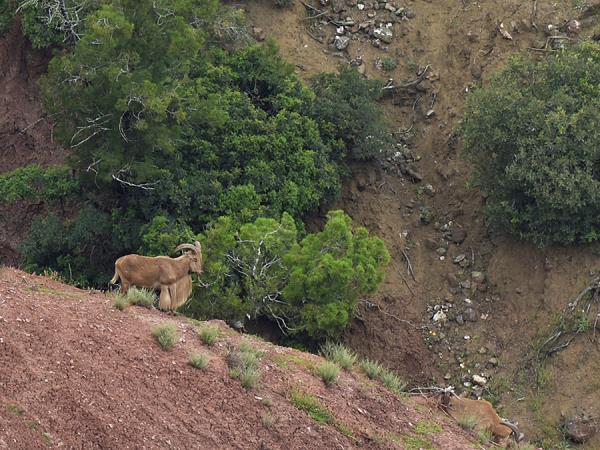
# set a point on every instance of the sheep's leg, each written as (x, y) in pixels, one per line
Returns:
(165, 298)
(173, 294)
(124, 287)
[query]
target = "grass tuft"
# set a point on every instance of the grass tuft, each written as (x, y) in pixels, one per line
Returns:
(371, 368)
(467, 422)
(120, 302)
(329, 372)
(165, 335)
(267, 420)
(243, 364)
(209, 335)
(392, 381)
(339, 354)
(199, 361)
(141, 297)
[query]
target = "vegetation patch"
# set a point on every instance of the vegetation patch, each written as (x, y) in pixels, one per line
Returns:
(165, 335)
(311, 405)
(392, 381)
(120, 302)
(467, 422)
(371, 368)
(267, 420)
(15, 409)
(328, 372)
(283, 361)
(199, 360)
(209, 334)
(243, 364)
(339, 354)
(426, 427)
(141, 297)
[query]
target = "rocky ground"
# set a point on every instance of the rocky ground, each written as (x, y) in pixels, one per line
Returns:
(77, 373)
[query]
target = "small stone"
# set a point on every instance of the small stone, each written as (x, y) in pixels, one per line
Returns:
(340, 30)
(464, 263)
(440, 316)
(383, 34)
(390, 7)
(429, 113)
(360, 6)
(472, 37)
(467, 338)
(459, 258)
(481, 381)
(482, 350)
(465, 284)
(493, 362)
(341, 42)
(459, 319)
(429, 190)
(409, 14)
(259, 33)
(468, 301)
(448, 376)
(441, 251)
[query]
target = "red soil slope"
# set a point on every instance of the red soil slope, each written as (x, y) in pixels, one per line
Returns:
(75, 372)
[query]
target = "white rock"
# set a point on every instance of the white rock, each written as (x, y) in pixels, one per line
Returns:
(481, 381)
(440, 316)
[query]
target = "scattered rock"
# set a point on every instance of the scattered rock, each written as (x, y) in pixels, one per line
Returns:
(409, 14)
(505, 34)
(465, 284)
(579, 428)
(448, 376)
(482, 350)
(481, 381)
(341, 42)
(337, 6)
(429, 190)
(440, 316)
(459, 319)
(572, 27)
(459, 258)
(464, 263)
(441, 251)
(472, 37)
(493, 362)
(384, 34)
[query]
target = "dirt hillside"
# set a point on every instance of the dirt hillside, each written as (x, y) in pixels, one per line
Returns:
(76, 372)
(504, 297)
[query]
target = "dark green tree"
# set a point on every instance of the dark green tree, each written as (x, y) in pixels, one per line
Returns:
(533, 135)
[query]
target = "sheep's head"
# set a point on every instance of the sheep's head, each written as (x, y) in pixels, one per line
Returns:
(194, 255)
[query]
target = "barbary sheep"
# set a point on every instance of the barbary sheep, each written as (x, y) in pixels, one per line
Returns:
(171, 275)
(483, 413)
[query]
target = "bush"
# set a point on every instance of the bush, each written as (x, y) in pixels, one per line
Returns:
(199, 361)
(209, 335)
(328, 372)
(141, 297)
(392, 381)
(338, 354)
(532, 136)
(165, 335)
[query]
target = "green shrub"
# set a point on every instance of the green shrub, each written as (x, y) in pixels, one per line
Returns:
(165, 335)
(120, 302)
(338, 354)
(328, 372)
(371, 368)
(309, 403)
(209, 334)
(467, 422)
(532, 137)
(267, 420)
(141, 297)
(199, 361)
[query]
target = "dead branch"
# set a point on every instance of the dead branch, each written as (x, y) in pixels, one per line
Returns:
(371, 304)
(144, 186)
(409, 265)
(391, 87)
(534, 14)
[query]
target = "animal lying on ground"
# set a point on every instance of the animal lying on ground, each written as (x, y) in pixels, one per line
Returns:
(171, 275)
(483, 415)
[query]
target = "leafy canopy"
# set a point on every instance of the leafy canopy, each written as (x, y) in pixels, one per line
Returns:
(533, 135)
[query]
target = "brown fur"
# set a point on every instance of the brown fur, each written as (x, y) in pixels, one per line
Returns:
(171, 275)
(484, 414)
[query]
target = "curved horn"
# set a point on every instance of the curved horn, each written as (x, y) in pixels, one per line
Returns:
(198, 246)
(187, 247)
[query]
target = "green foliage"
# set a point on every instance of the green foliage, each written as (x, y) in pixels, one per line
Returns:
(533, 137)
(467, 422)
(162, 235)
(7, 14)
(199, 361)
(329, 271)
(309, 403)
(347, 112)
(427, 427)
(165, 335)
(339, 354)
(209, 335)
(37, 184)
(328, 372)
(267, 420)
(308, 288)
